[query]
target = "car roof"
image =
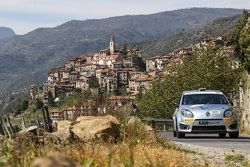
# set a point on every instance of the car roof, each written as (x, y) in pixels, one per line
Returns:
(202, 91)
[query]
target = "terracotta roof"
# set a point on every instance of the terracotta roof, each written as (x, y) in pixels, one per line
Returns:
(51, 74)
(64, 69)
(107, 57)
(56, 110)
(142, 79)
(152, 58)
(166, 57)
(116, 98)
(70, 108)
(105, 70)
(87, 64)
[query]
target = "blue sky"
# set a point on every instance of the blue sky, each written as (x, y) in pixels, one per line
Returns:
(26, 15)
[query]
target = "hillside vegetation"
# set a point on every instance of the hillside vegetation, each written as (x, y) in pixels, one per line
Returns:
(217, 27)
(26, 59)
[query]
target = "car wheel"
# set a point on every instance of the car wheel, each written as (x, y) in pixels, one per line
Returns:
(222, 135)
(179, 134)
(174, 131)
(234, 135)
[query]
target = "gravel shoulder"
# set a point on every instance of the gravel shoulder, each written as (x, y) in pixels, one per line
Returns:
(214, 150)
(213, 156)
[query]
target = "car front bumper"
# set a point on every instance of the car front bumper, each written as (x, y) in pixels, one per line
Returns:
(220, 126)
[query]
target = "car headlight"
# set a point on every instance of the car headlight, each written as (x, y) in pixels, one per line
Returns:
(187, 113)
(228, 113)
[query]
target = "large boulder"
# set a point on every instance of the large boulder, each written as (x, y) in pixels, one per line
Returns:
(89, 128)
(63, 131)
(34, 135)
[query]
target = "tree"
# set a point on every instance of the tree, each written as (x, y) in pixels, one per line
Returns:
(39, 104)
(244, 43)
(240, 39)
(25, 105)
(206, 68)
(93, 82)
(51, 99)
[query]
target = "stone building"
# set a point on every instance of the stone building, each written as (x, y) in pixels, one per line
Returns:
(139, 84)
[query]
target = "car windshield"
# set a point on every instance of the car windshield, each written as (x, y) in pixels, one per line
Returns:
(204, 99)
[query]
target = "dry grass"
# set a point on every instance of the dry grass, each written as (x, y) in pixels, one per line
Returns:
(103, 154)
(236, 159)
(142, 154)
(135, 149)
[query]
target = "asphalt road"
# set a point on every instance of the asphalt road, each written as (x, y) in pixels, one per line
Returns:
(242, 144)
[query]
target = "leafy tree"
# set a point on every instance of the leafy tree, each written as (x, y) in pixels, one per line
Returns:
(39, 104)
(206, 68)
(240, 39)
(25, 104)
(244, 42)
(74, 99)
(93, 82)
(120, 91)
(18, 108)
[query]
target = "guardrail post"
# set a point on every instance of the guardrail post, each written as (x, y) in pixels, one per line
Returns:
(164, 127)
(153, 124)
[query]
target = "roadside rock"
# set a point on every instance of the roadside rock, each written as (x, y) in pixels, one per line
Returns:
(54, 160)
(63, 131)
(89, 128)
(34, 135)
(31, 129)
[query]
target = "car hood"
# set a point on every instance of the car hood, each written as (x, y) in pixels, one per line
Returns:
(207, 111)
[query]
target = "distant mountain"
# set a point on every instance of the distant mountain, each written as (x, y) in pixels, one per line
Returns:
(6, 32)
(217, 27)
(26, 59)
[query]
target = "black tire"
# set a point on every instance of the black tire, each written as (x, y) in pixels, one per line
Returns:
(179, 134)
(174, 131)
(222, 135)
(234, 135)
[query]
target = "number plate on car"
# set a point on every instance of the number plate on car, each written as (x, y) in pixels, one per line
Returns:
(205, 122)
(215, 112)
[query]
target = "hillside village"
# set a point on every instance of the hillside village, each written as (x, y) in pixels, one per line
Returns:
(113, 71)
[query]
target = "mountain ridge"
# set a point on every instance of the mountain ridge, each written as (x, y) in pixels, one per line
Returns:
(6, 32)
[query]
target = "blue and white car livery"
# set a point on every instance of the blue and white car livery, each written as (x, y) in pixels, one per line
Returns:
(205, 111)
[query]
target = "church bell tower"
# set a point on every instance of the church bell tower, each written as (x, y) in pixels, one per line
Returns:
(112, 45)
